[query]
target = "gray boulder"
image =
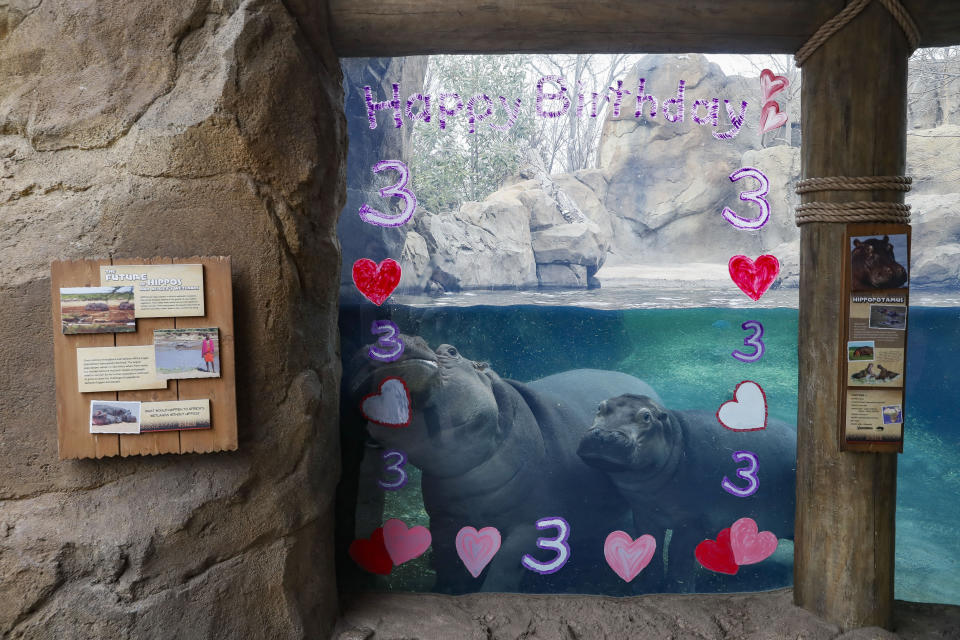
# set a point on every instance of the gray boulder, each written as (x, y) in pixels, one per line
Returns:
(415, 263)
(481, 245)
(565, 276)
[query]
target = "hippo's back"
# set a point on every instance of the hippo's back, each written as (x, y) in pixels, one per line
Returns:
(583, 389)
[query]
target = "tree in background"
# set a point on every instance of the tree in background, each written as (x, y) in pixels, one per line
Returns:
(932, 86)
(789, 99)
(570, 143)
(452, 166)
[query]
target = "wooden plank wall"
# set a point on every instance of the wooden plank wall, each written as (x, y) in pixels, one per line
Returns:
(73, 408)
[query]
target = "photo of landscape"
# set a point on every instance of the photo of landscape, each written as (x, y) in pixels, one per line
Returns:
(97, 310)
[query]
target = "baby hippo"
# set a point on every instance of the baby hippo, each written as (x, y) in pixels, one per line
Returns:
(669, 465)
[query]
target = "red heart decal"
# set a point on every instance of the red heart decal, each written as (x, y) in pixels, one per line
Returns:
(717, 555)
(376, 282)
(372, 554)
(770, 117)
(772, 84)
(754, 278)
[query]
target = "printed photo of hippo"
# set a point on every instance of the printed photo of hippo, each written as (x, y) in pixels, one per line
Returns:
(501, 453)
(874, 262)
(669, 466)
(114, 416)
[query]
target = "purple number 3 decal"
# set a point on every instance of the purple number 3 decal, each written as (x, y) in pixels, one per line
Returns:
(389, 347)
(755, 341)
(558, 544)
(749, 474)
(371, 215)
(396, 467)
(755, 196)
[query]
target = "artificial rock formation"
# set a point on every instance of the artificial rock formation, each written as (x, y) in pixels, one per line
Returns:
(131, 128)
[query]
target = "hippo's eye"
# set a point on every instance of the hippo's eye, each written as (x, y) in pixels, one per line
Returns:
(451, 351)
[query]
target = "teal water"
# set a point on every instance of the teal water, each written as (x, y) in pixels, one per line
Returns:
(685, 354)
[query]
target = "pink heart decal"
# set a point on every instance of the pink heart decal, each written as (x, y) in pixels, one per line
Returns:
(772, 84)
(404, 544)
(626, 556)
(477, 548)
(748, 409)
(750, 547)
(770, 110)
(376, 281)
(754, 278)
(390, 405)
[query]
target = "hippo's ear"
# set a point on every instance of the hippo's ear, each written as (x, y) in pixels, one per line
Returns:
(602, 408)
(856, 243)
(662, 416)
(886, 239)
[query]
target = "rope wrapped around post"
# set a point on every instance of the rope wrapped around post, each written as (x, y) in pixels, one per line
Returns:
(851, 11)
(857, 211)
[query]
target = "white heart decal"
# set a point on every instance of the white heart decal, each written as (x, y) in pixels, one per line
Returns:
(748, 409)
(390, 406)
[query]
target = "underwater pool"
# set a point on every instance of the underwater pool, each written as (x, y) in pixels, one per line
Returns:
(684, 353)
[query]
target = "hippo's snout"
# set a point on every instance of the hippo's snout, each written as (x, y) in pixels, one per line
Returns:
(613, 437)
(602, 447)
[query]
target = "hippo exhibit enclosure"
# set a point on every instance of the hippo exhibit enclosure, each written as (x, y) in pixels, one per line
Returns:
(551, 384)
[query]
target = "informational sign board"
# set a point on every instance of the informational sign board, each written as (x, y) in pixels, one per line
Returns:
(876, 260)
(112, 412)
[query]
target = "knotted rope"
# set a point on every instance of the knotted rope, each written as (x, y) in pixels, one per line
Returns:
(851, 11)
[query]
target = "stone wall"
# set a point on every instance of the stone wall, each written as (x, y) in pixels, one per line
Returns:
(190, 127)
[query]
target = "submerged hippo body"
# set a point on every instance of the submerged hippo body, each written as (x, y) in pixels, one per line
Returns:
(500, 453)
(874, 266)
(669, 466)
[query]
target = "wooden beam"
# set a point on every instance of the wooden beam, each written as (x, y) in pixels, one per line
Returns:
(417, 27)
(854, 124)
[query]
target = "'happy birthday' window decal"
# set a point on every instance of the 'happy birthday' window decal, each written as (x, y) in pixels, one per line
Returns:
(531, 486)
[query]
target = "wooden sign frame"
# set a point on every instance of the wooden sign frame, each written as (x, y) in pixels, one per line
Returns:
(853, 231)
(73, 408)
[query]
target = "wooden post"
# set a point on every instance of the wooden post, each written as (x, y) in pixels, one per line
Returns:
(854, 102)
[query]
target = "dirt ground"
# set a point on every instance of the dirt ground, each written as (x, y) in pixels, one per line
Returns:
(756, 616)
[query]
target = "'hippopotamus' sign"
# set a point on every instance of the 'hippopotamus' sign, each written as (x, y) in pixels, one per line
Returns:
(669, 465)
(503, 454)
(874, 265)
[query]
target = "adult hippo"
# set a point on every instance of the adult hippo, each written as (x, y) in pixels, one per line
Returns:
(500, 453)
(669, 465)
